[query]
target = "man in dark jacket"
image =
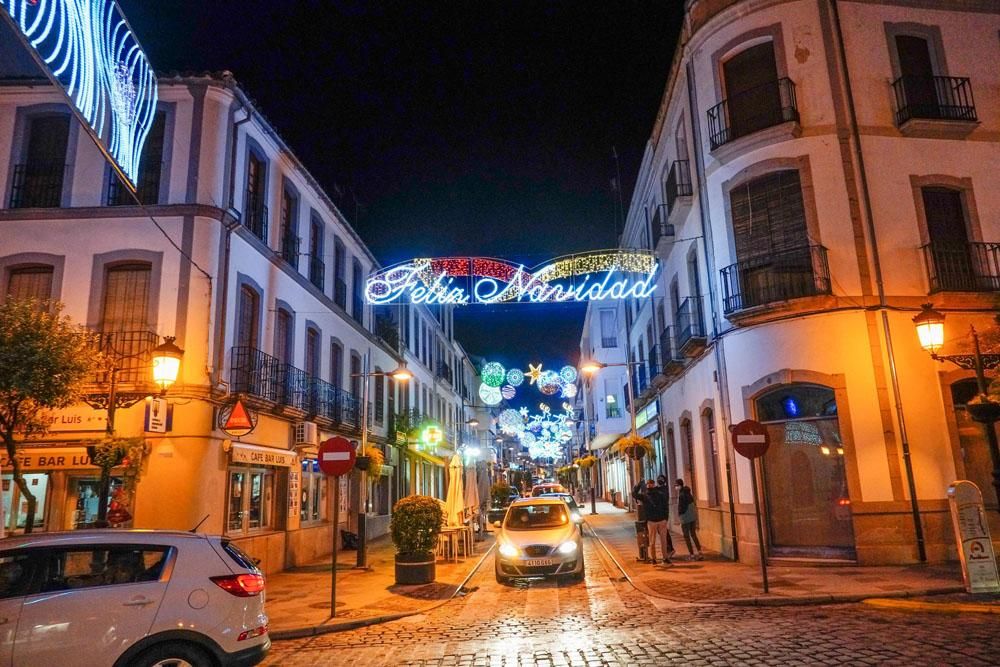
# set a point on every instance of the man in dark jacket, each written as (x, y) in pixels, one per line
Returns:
(656, 500)
(688, 514)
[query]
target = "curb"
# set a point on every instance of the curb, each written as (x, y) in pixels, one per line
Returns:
(326, 628)
(774, 601)
(934, 607)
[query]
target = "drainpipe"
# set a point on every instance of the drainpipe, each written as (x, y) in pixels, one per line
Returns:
(869, 220)
(230, 225)
(722, 378)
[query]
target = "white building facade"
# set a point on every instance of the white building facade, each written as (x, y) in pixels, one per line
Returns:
(242, 257)
(817, 171)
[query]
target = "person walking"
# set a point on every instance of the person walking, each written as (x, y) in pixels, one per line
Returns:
(656, 500)
(687, 511)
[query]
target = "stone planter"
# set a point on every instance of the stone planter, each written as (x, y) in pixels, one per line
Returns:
(415, 568)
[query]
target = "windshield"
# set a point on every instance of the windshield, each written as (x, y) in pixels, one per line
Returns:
(533, 517)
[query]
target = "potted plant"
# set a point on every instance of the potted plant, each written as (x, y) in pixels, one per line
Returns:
(587, 461)
(982, 408)
(416, 522)
(376, 459)
(634, 446)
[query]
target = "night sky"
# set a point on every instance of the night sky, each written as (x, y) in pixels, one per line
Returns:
(451, 128)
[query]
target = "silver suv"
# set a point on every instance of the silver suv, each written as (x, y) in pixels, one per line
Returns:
(143, 598)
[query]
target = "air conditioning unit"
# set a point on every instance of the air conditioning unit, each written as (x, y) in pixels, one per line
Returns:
(306, 433)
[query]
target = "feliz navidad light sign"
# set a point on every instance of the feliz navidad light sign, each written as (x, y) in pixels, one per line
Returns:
(460, 281)
(88, 50)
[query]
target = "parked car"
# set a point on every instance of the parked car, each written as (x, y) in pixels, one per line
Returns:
(567, 498)
(129, 598)
(548, 487)
(538, 538)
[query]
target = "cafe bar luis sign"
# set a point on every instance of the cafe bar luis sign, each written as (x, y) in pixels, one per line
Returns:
(460, 281)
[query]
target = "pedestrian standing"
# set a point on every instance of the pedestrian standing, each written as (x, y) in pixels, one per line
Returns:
(688, 514)
(656, 500)
(641, 530)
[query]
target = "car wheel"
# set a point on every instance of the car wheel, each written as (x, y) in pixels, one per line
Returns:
(174, 654)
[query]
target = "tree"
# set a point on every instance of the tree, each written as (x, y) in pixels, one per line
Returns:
(45, 360)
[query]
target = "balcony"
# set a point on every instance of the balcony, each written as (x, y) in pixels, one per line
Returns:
(664, 360)
(129, 353)
(256, 216)
(317, 272)
(262, 376)
(662, 232)
(147, 189)
(640, 379)
(937, 98)
(963, 267)
(691, 338)
(37, 185)
(387, 329)
(779, 276)
(444, 372)
(751, 110)
(340, 292)
(290, 249)
(678, 183)
(609, 342)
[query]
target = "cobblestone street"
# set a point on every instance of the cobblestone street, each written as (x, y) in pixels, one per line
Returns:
(604, 621)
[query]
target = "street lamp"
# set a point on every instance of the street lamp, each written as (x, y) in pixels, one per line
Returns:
(930, 330)
(592, 368)
(401, 374)
(166, 363)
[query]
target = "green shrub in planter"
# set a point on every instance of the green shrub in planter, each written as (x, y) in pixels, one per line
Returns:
(416, 523)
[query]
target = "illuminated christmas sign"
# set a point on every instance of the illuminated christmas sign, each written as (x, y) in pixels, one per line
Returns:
(87, 49)
(460, 281)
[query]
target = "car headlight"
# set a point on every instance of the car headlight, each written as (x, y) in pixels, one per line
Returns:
(508, 550)
(567, 547)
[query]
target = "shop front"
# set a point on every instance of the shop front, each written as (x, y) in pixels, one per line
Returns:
(647, 425)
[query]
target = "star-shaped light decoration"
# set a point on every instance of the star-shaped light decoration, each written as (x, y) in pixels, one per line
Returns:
(524, 412)
(534, 373)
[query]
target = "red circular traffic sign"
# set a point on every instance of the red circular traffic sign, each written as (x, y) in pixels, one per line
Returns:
(336, 456)
(750, 438)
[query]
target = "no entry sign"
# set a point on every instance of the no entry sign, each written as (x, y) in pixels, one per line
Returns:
(336, 456)
(750, 439)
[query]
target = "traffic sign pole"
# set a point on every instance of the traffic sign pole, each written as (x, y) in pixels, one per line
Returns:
(751, 439)
(333, 570)
(336, 458)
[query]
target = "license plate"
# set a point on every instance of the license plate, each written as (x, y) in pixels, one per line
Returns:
(539, 562)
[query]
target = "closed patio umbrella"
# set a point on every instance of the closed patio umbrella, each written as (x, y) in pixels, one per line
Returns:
(471, 487)
(455, 500)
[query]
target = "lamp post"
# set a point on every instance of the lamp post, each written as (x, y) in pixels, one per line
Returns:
(401, 374)
(592, 368)
(166, 363)
(930, 332)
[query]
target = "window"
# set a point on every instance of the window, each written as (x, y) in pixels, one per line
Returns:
(30, 282)
(687, 438)
(357, 290)
(955, 263)
(251, 499)
(255, 218)
(337, 365)
(15, 505)
(290, 228)
(711, 457)
(247, 318)
(17, 570)
(613, 410)
(313, 508)
(75, 568)
(38, 181)
(150, 169)
(283, 336)
(312, 352)
(339, 272)
(126, 298)
(356, 375)
(379, 397)
(317, 269)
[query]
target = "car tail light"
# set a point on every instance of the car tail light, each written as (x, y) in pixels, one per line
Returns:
(241, 585)
(250, 634)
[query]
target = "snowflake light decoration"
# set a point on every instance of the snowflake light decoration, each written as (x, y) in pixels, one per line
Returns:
(490, 395)
(515, 377)
(493, 374)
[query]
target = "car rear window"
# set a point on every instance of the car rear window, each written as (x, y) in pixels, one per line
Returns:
(241, 559)
(532, 517)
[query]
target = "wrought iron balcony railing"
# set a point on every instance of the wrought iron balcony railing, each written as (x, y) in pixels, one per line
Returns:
(290, 249)
(37, 185)
(690, 321)
(444, 371)
(678, 183)
(751, 110)
(260, 375)
(147, 188)
(779, 276)
(963, 267)
(128, 352)
(934, 98)
(611, 341)
(340, 292)
(317, 272)
(255, 218)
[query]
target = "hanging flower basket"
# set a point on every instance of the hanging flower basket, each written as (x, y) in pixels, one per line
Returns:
(362, 462)
(375, 462)
(633, 447)
(587, 461)
(983, 409)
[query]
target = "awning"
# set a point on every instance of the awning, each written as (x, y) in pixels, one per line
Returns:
(427, 457)
(262, 456)
(604, 440)
(49, 458)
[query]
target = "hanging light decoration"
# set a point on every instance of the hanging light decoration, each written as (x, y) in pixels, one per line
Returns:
(493, 374)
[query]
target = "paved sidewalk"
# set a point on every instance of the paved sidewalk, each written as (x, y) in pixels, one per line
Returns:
(298, 600)
(717, 580)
